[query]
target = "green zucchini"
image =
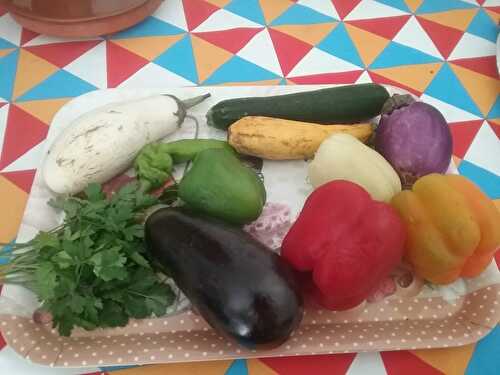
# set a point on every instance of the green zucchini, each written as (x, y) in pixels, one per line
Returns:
(334, 105)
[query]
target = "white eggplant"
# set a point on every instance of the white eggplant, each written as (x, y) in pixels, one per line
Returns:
(343, 157)
(104, 142)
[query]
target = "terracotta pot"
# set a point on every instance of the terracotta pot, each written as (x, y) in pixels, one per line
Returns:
(79, 18)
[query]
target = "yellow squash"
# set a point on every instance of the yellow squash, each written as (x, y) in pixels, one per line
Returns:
(277, 139)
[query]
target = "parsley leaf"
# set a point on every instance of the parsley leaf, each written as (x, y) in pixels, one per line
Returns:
(91, 271)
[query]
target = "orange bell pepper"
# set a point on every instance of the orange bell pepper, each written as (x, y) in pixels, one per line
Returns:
(453, 229)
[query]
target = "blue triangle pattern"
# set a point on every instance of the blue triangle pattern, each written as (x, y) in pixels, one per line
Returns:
(483, 26)
(446, 87)
(432, 6)
(495, 110)
(4, 44)
(301, 15)
(238, 367)
(399, 4)
(490, 185)
(239, 70)
(249, 9)
(338, 43)
(151, 26)
(8, 67)
(6, 248)
(180, 59)
(61, 84)
(398, 54)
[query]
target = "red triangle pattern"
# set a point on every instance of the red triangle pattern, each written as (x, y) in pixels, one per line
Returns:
(403, 362)
(486, 65)
(2, 104)
(342, 77)
(27, 35)
(61, 54)
(121, 63)
(231, 40)
(480, 2)
(463, 134)
(320, 365)
(23, 131)
(197, 11)
(2, 340)
(496, 130)
(383, 80)
(22, 179)
(344, 7)
(445, 38)
(495, 9)
(2, 12)
(386, 27)
(288, 49)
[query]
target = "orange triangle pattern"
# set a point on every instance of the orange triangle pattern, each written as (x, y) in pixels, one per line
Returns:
(31, 70)
(451, 361)
(311, 34)
(417, 77)
(273, 8)
(458, 19)
(149, 47)
(208, 57)
(369, 45)
(219, 3)
(5, 52)
(43, 110)
(482, 89)
(413, 4)
(14, 206)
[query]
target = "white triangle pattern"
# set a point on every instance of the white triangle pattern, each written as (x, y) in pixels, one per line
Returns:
(10, 30)
(260, 51)
(369, 9)
(482, 153)
(472, 46)
(29, 160)
(364, 78)
(367, 363)
(224, 20)
(4, 111)
(490, 3)
(154, 76)
(91, 66)
(46, 39)
(413, 35)
(317, 61)
(321, 6)
(172, 11)
(450, 112)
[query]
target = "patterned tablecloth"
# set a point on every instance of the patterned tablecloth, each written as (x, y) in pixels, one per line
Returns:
(441, 50)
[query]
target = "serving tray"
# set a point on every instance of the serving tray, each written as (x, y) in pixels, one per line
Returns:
(437, 316)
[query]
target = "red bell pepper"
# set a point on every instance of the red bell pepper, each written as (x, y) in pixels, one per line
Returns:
(348, 242)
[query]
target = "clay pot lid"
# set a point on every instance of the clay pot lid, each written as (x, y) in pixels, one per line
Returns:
(62, 11)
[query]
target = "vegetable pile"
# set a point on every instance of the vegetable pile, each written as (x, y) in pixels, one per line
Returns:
(374, 208)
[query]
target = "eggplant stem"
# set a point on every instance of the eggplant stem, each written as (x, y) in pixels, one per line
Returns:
(189, 103)
(395, 102)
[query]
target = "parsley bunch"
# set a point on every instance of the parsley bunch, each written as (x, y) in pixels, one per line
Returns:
(92, 270)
